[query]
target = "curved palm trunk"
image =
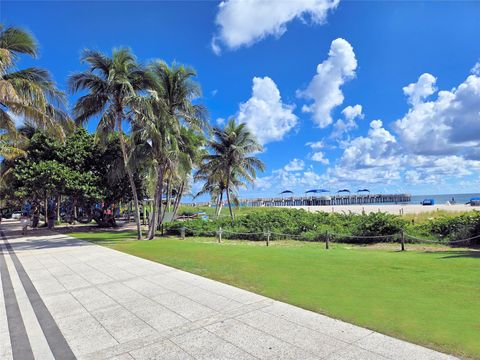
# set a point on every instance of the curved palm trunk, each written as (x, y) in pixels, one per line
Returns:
(156, 203)
(130, 179)
(219, 204)
(228, 200)
(178, 199)
(167, 205)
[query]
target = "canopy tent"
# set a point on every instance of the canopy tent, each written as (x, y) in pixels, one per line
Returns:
(316, 191)
(343, 191)
(363, 190)
(287, 192)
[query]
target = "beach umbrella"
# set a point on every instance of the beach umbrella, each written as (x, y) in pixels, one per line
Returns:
(363, 190)
(315, 191)
(343, 191)
(286, 192)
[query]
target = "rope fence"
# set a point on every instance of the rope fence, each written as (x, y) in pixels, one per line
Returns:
(327, 237)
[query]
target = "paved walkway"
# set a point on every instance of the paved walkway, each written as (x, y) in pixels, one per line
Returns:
(63, 298)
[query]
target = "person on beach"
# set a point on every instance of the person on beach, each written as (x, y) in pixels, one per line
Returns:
(35, 217)
(24, 221)
(51, 218)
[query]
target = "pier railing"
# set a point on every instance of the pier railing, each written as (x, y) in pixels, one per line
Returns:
(353, 199)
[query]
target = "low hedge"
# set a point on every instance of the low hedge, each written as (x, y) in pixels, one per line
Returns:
(295, 223)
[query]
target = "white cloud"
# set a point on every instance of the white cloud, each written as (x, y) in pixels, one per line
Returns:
(244, 22)
(369, 159)
(265, 114)
(476, 69)
(447, 125)
(320, 157)
(316, 145)
(295, 165)
(325, 87)
(350, 114)
(423, 88)
(220, 121)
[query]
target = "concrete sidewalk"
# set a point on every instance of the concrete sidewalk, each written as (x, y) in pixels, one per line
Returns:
(63, 298)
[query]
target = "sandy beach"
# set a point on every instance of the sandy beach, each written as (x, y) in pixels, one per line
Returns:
(391, 209)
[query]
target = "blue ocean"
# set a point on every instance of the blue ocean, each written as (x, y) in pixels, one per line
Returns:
(443, 198)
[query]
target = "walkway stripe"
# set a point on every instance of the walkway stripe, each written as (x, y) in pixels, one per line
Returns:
(56, 340)
(21, 348)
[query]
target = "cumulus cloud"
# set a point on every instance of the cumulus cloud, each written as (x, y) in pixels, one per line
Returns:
(348, 123)
(434, 141)
(244, 22)
(316, 145)
(418, 91)
(320, 157)
(220, 121)
(447, 125)
(265, 113)
(325, 87)
(295, 165)
(476, 69)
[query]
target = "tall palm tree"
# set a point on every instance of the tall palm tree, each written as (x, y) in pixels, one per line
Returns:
(113, 85)
(161, 117)
(230, 163)
(29, 94)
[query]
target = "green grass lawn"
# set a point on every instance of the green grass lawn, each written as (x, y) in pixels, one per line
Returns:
(426, 297)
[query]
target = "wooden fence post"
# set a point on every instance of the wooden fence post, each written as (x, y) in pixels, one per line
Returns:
(268, 238)
(182, 233)
(327, 240)
(402, 240)
(220, 234)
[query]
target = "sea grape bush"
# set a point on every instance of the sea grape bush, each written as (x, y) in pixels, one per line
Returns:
(340, 226)
(301, 223)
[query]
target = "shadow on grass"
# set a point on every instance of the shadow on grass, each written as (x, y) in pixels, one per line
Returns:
(462, 254)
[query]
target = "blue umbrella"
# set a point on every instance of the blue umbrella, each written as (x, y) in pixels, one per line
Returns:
(316, 191)
(343, 190)
(363, 190)
(287, 192)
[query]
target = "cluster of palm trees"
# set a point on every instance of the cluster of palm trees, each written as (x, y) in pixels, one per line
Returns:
(166, 137)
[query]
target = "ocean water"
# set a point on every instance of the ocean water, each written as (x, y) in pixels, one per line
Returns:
(443, 198)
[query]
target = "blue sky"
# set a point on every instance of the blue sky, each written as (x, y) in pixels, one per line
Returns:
(393, 106)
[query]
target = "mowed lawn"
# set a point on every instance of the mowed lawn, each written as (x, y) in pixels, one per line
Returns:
(426, 297)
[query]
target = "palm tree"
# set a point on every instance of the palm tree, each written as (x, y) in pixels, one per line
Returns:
(8, 149)
(230, 164)
(113, 85)
(29, 94)
(161, 117)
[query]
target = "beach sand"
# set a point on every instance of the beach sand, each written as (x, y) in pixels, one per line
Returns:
(390, 209)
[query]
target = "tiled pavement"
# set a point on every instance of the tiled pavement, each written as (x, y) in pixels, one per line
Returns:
(89, 302)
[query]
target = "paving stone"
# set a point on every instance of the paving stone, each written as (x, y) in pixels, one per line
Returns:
(93, 299)
(256, 342)
(202, 344)
(164, 350)
(312, 341)
(145, 287)
(122, 324)
(352, 352)
(332, 327)
(397, 349)
(156, 315)
(84, 334)
(184, 306)
(63, 305)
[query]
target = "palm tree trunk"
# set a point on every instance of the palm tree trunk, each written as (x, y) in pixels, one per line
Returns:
(130, 178)
(156, 203)
(219, 204)
(228, 199)
(167, 206)
(176, 204)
